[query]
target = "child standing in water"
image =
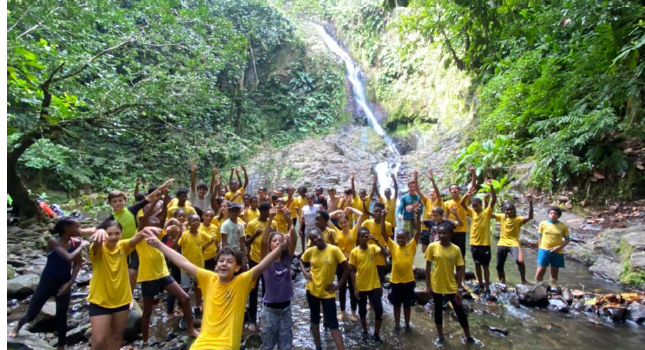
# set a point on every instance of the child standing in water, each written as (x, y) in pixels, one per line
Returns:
(441, 281)
(110, 295)
(509, 238)
(554, 236)
(63, 263)
(277, 322)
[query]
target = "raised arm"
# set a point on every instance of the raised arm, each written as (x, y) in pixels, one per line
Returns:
(230, 177)
(473, 175)
(246, 176)
(150, 234)
(136, 187)
(193, 177)
(383, 230)
(456, 215)
(361, 217)
(384, 250)
(530, 217)
(434, 184)
(138, 237)
(493, 200)
(148, 213)
(351, 178)
(419, 191)
(396, 186)
(54, 245)
(268, 260)
(164, 210)
(374, 189)
(211, 188)
(466, 198)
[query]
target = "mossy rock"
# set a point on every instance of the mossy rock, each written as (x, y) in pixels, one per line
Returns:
(10, 273)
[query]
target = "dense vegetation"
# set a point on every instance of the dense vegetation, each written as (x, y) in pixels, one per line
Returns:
(104, 92)
(558, 83)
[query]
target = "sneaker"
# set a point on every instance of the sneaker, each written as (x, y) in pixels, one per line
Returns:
(341, 315)
(440, 341)
(377, 339)
(470, 340)
(365, 337)
(408, 329)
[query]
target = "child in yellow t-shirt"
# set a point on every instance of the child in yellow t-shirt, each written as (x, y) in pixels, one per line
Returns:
(225, 291)
(402, 280)
(367, 284)
(441, 281)
(110, 295)
(321, 289)
(192, 243)
(554, 236)
(480, 235)
(509, 238)
(210, 227)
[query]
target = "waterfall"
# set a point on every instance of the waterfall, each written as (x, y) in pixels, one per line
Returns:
(353, 73)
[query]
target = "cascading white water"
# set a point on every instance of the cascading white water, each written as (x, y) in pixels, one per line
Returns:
(353, 72)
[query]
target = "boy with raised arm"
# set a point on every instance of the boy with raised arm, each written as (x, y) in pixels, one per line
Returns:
(402, 280)
(376, 236)
(390, 202)
(200, 195)
(235, 193)
(480, 235)
(408, 204)
(509, 238)
(429, 203)
(225, 292)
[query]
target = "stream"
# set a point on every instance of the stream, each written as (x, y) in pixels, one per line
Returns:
(532, 328)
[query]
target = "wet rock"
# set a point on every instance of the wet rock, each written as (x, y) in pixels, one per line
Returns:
(133, 324)
(610, 269)
(16, 263)
(533, 295)
(46, 319)
(501, 331)
(558, 305)
(636, 312)
(28, 341)
(567, 295)
(617, 314)
(578, 305)
(83, 278)
(77, 335)
(22, 286)
(422, 297)
(253, 341)
(10, 273)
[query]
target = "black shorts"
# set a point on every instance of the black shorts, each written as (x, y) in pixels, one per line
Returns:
(133, 261)
(459, 239)
(481, 254)
(150, 289)
(402, 293)
(328, 308)
(502, 252)
(96, 310)
(425, 237)
(210, 264)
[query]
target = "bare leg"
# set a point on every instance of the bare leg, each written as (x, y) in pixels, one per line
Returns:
(100, 331)
(184, 301)
(364, 325)
(539, 273)
(118, 326)
(145, 317)
(397, 316)
(338, 339)
(502, 276)
(522, 268)
(478, 272)
(487, 277)
(377, 327)
(406, 314)
(315, 331)
(554, 274)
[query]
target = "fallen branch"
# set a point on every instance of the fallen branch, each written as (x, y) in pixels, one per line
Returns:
(95, 57)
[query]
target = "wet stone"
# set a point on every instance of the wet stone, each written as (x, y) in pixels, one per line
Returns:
(636, 312)
(617, 314)
(496, 330)
(253, 341)
(77, 334)
(558, 305)
(533, 295)
(22, 286)
(46, 319)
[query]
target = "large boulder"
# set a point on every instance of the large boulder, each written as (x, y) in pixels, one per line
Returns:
(22, 286)
(133, 323)
(636, 312)
(46, 319)
(533, 295)
(77, 335)
(27, 341)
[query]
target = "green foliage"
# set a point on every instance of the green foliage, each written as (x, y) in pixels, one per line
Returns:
(488, 158)
(501, 187)
(140, 89)
(631, 276)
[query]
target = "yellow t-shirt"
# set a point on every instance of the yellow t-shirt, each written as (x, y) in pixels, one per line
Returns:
(357, 203)
(323, 269)
(325, 235)
(240, 195)
(281, 222)
(480, 226)
(187, 208)
(365, 262)
(152, 264)
(110, 285)
(428, 205)
(509, 230)
(212, 230)
(299, 202)
(253, 226)
(391, 205)
(402, 261)
(552, 235)
(252, 214)
(224, 305)
(347, 242)
(452, 204)
(375, 230)
(192, 246)
(445, 260)
(292, 207)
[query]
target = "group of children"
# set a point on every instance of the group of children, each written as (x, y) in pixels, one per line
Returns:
(224, 243)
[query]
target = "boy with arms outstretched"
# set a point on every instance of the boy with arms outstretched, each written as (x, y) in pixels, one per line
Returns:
(509, 238)
(225, 291)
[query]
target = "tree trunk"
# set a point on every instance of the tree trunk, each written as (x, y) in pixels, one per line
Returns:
(17, 190)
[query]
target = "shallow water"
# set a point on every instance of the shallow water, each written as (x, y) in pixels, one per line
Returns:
(532, 328)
